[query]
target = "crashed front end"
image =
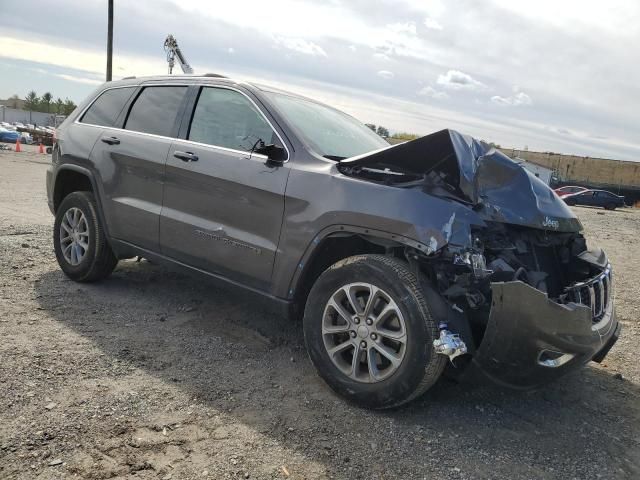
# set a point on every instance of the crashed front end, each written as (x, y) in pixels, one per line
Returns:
(520, 297)
(531, 304)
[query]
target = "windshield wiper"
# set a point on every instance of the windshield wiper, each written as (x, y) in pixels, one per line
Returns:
(336, 158)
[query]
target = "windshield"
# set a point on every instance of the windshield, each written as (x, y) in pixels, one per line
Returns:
(327, 131)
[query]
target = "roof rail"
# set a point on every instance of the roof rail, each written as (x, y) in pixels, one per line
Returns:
(217, 75)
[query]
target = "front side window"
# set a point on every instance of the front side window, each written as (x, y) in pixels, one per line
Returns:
(155, 110)
(328, 132)
(107, 107)
(226, 118)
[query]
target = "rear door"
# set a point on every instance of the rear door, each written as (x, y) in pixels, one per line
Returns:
(131, 160)
(223, 204)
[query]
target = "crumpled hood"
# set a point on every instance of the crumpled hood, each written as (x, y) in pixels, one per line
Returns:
(498, 188)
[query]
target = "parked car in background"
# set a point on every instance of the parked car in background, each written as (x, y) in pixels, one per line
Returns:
(595, 198)
(18, 125)
(7, 126)
(7, 135)
(26, 138)
(569, 190)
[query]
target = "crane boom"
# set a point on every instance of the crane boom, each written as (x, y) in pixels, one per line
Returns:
(173, 51)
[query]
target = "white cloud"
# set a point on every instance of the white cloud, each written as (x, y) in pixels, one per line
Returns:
(431, 92)
(380, 56)
(516, 100)
(353, 48)
(301, 45)
(432, 24)
(618, 17)
(386, 74)
(90, 61)
(405, 28)
(231, 50)
(78, 79)
(457, 80)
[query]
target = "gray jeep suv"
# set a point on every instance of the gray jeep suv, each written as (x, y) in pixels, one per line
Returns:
(403, 260)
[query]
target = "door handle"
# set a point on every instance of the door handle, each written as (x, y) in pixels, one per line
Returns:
(185, 156)
(111, 140)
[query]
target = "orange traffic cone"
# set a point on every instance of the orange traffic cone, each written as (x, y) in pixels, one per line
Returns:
(18, 149)
(41, 148)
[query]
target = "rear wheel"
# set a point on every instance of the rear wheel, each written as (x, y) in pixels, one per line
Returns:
(369, 332)
(79, 240)
(611, 206)
(571, 202)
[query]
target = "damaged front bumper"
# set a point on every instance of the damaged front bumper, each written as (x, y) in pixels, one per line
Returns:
(531, 340)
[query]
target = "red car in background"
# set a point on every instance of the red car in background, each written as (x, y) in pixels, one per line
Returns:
(569, 190)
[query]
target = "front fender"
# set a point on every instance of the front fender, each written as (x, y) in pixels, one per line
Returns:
(347, 230)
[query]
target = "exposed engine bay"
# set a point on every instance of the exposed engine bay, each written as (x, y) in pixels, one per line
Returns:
(551, 262)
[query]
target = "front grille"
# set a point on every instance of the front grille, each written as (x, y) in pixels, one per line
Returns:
(595, 293)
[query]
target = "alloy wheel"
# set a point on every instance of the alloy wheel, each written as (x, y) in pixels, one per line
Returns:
(364, 332)
(74, 236)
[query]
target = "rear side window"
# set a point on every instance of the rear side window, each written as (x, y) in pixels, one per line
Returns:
(155, 110)
(105, 110)
(226, 118)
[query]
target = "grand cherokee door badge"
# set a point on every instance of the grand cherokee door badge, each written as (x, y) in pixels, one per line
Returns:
(220, 235)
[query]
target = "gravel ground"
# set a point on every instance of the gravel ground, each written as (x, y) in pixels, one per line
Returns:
(156, 375)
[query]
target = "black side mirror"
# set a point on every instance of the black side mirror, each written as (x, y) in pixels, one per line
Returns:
(275, 153)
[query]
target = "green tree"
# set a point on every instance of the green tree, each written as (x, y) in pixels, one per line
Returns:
(371, 126)
(382, 131)
(69, 107)
(46, 102)
(59, 106)
(31, 101)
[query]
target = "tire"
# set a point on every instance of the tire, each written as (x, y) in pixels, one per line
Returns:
(610, 206)
(98, 261)
(571, 202)
(398, 291)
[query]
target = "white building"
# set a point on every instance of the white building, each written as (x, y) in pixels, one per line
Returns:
(543, 173)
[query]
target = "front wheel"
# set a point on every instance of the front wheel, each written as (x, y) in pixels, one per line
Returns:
(79, 240)
(369, 332)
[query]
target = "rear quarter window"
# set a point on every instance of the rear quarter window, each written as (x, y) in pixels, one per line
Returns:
(104, 111)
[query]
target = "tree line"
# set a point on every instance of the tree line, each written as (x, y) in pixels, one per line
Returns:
(45, 103)
(384, 132)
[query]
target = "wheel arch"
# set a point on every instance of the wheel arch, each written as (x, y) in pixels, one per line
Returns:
(336, 243)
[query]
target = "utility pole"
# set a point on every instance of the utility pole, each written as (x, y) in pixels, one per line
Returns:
(110, 41)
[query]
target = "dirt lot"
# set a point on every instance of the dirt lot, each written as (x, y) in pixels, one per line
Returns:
(156, 375)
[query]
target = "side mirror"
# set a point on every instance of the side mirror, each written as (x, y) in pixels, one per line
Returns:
(275, 153)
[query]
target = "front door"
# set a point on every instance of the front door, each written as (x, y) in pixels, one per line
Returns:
(223, 205)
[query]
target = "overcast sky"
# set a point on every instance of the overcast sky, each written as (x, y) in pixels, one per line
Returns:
(553, 75)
